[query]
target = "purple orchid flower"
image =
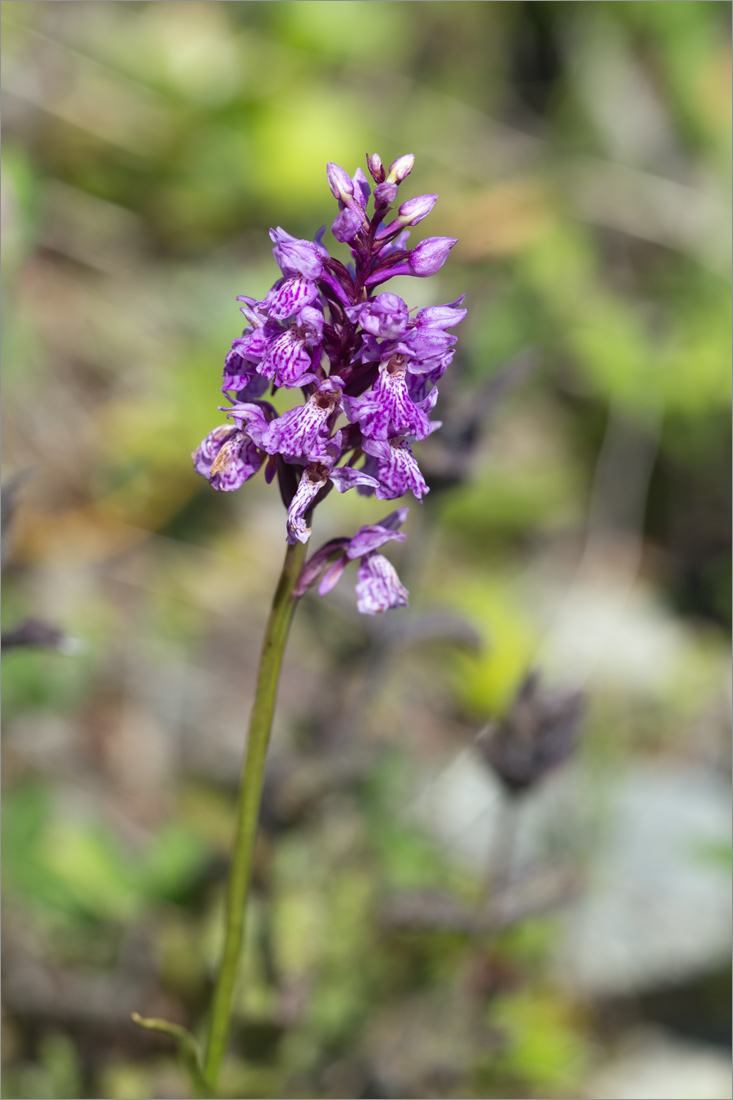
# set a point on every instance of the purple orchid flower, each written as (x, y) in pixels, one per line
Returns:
(301, 264)
(419, 383)
(356, 354)
(303, 432)
(399, 170)
(313, 479)
(240, 375)
(296, 257)
(427, 336)
(378, 586)
(395, 468)
(385, 317)
(387, 409)
(293, 354)
(227, 457)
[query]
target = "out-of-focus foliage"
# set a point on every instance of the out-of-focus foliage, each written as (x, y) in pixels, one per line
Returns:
(582, 157)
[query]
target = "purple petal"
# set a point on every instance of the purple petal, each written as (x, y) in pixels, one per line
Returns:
(396, 470)
(394, 519)
(414, 210)
(332, 576)
(376, 169)
(385, 193)
(428, 344)
(400, 169)
(378, 448)
(430, 255)
(318, 241)
(287, 360)
(296, 257)
(442, 316)
(378, 587)
(303, 431)
(362, 190)
(205, 454)
(254, 389)
(311, 482)
(315, 565)
(252, 345)
(296, 433)
(228, 458)
(418, 380)
(345, 478)
(290, 296)
(250, 419)
(346, 225)
(425, 259)
(241, 375)
(370, 538)
(387, 409)
(385, 317)
(411, 212)
(339, 181)
(271, 469)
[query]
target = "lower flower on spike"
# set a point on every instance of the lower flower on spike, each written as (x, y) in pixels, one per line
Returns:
(378, 587)
(312, 480)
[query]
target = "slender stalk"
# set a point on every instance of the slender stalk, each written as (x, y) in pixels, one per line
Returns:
(248, 804)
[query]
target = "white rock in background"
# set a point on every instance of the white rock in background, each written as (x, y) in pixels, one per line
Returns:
(460, 806)
(657, 904)
(652, 1066)
(608, 634)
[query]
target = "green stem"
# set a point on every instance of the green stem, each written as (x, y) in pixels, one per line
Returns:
(248, 803)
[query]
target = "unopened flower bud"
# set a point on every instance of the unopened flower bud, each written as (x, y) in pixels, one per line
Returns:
(376, 168)
(385, 193)
(410, 213)
(430, 255)
(401, 168)
(414, 210)
(346, 225)
(339, 181)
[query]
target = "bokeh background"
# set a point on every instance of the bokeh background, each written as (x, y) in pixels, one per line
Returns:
(415, 930)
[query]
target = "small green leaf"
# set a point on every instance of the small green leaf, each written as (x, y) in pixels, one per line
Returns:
(188, 1049)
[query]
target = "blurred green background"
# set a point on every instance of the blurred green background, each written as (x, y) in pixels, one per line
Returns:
(581, 152)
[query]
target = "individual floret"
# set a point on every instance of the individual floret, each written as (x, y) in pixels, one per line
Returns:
(227, 457)
(378, 586)
(303, 432)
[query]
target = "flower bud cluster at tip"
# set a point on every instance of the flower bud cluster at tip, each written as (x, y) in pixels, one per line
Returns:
(366, 364)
